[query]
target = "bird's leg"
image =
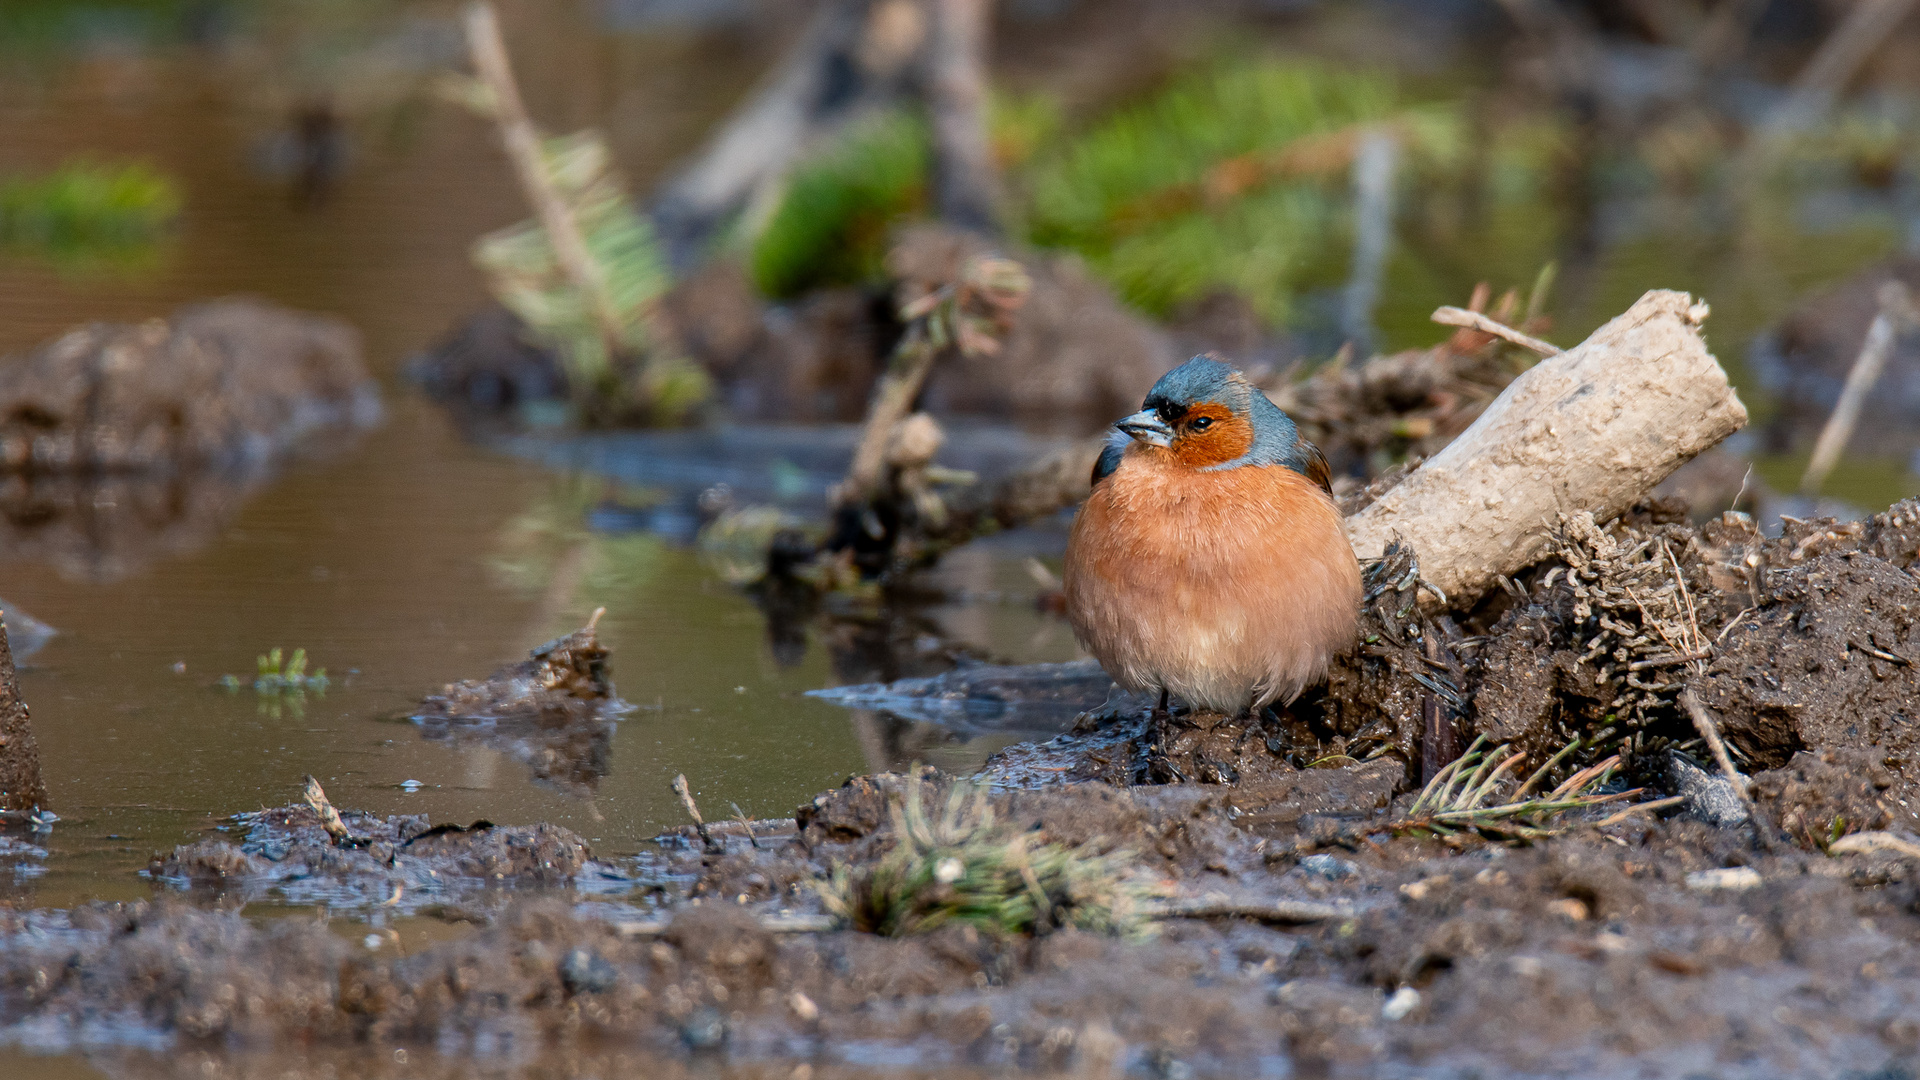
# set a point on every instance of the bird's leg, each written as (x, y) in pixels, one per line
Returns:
(1248, 720)
(1159, 768)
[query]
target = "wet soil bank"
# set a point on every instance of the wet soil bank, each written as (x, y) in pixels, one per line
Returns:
(1597, 953)
(1240, 897)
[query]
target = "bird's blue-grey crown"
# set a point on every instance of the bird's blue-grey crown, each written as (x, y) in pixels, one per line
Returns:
(1202, 380)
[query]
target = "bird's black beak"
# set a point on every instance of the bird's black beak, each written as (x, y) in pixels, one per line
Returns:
(1147, 427)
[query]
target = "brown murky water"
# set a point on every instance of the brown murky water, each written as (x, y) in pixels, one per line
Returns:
(398, 564)
(414, 558)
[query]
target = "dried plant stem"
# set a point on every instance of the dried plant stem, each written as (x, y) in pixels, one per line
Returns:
(522, 141)
(1703, 723)
(892, 400)
(685, 792)
(1473, 320)
(316, 797)
(1896, 312)
(1276, 911)
(1833, 65)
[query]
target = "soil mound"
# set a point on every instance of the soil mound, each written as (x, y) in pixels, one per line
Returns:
(555, 712)
(120, 444)
(228, 384)
(400, 863)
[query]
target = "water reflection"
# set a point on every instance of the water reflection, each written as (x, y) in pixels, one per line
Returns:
(105, 528)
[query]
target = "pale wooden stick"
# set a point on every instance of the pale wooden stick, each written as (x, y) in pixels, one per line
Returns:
(1703, 723)
(892, 400)
(1473, 320)
(685, 792)
(1896, 312)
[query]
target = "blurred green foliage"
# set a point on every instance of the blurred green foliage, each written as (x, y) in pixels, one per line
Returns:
(549, 548)
(85, 212)
(831, 223)
(525, 274)
(37, 24)
(1229, 179)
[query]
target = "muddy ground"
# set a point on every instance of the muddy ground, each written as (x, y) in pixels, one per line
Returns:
(1275, 907)
(1590, 954)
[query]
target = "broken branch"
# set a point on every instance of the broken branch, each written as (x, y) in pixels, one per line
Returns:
(1594, 428)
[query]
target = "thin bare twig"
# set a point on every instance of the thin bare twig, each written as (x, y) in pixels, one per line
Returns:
(1703, 723)
(1895, 314)
(1276, 911)
(1473, 320)
(1867, 24)
(746, 823)
(681, 789)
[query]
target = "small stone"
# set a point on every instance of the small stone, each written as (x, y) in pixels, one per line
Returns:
(411, 786)
(1732, 878)
(1328, 867)
(587, 972)
(706, 1029)
(1570, 909)
(1710, 796)
(1403, 1001)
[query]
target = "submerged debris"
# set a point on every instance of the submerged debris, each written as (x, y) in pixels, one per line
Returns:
(977, 698)
(554, 711)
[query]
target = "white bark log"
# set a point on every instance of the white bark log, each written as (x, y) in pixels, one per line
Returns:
(1594, 428)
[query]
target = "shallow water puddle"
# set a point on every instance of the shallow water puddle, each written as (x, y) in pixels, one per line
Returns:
(394, 568)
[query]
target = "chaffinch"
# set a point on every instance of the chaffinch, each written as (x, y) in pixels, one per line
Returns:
(1210, 561)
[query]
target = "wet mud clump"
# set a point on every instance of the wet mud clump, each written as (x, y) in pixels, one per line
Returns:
(401, 863)
(554, 712)
(221, 385)
(123, 443)
(23, 791)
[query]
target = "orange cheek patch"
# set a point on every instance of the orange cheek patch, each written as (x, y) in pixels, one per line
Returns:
(1229, 437)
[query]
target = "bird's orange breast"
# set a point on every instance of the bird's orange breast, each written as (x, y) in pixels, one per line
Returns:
(1229, 588)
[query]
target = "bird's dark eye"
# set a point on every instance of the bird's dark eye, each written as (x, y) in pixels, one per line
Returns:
(1201, 424)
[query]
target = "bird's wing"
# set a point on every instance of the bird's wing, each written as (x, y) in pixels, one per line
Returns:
(1313, 466)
